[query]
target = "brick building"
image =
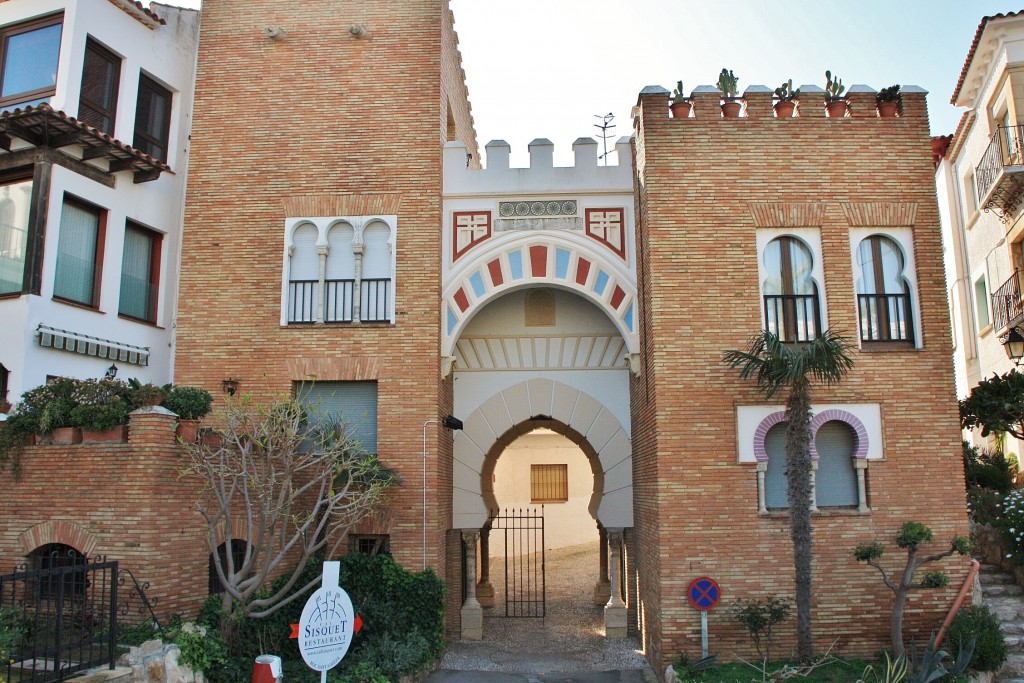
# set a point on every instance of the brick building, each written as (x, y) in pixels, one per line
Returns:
(343, 241)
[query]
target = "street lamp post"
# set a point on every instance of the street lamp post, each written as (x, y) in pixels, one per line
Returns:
(449, 422)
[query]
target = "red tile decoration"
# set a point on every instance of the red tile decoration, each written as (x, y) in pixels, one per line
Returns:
(494, 268)
(469, 228)
(539, 261)
(582, 271)
(462, 300)
(617, 296)
(607, 226)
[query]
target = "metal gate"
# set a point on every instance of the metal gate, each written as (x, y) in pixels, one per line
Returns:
(525, 587)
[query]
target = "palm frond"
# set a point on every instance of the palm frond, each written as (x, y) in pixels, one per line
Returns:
(774, 364)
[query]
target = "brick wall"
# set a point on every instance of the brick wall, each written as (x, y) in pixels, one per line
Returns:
(696, 508)
(319, 119)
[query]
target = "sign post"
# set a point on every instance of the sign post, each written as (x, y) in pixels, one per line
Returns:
(327, 624)
(703, 594)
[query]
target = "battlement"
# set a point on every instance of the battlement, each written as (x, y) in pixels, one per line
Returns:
(758, 101)
(542, 176)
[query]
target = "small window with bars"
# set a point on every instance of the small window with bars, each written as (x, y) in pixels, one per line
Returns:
(370, 544)
(549, 483)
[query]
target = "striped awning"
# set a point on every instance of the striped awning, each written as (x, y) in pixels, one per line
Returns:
(63, 340)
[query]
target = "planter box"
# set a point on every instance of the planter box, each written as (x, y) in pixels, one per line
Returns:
(66, 436)
(187, 430)
(117, 434)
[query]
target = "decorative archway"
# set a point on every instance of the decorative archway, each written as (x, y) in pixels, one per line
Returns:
(58, 532)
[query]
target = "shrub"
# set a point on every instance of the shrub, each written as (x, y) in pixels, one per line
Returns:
(12, 629)
(988, 469)
(189, 403)
(201, 649)
(759, 618)
(1011, 522)
(45, 408)
(983, 506)
(143, 395)
(989, 647)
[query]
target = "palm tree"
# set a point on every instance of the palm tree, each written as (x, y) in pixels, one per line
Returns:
(776, 366)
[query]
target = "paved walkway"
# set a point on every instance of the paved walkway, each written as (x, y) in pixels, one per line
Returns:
(567, 645)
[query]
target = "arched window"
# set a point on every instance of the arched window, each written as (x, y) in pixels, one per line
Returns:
(341, 274)
(304, 276)
(883, 295)
(775, 497)
(375, 295)
(238, 547)
(791, 309)
(63, 571)
(836, 480)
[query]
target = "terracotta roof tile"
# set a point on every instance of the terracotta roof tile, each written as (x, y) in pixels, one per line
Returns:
(974, 47)
(124, 4)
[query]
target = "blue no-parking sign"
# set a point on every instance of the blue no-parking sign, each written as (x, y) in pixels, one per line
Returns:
(703, 593)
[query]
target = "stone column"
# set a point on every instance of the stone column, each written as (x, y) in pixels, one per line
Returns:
(615, 610)
(322, 250)
(814, 486)
(472, 612)
(762, 470)
(357, 285)
(484, 589)
(602, 590)
(861, 464)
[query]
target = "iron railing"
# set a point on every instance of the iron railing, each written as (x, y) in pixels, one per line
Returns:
(303, 300)
(1007, 307)
(373, 300)
(885, 318)
(65, 613)
(338, 300)
(1005, 149)
(792, 317)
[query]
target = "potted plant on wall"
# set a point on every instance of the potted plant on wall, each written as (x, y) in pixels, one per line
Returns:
(190, 404)
(835, 103)
(679, 104)
(101, 410)
(785, 106)
(889, 101)
(728, 84)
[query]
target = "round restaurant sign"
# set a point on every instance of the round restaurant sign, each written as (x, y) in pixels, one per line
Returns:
(327, 624)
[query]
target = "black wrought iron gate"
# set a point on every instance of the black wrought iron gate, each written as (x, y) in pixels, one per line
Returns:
(525, 586)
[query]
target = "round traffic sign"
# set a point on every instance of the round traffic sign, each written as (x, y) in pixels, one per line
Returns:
(703, 593)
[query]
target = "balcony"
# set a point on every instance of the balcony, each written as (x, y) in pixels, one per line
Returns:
(885, 318)
(793, 318)
(1007, 308)
(339, 301)
(1000, 175)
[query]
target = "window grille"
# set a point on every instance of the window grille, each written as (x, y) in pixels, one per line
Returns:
(549, 483)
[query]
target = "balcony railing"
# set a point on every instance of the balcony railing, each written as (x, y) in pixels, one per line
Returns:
(338, 304)
(373, 301)
(792, 317)
(303, 298)
(1007, 308)
(999, 175)
(885, 318)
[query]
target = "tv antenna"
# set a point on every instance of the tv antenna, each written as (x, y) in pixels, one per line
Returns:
(605, 126)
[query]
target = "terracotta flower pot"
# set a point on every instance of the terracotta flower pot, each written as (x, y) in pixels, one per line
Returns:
(680, 110)
(117, 434)
(784, 109)
(187, 430)
(731, 109)
(888, 110)
(66, 436)
(836, 109)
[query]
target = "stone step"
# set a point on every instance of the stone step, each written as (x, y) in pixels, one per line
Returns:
(1014, 667)
(1001, 579)
(1010, 589)
(989, 568)
(121, 674)
(1012, 628)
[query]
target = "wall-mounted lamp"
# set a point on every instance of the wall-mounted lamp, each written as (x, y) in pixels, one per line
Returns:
(358, 30)
(1013, 344)
(452, 422)
(275, 32)
(230, 386)
(111, 372)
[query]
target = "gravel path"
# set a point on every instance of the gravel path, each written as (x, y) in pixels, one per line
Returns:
(570, 638)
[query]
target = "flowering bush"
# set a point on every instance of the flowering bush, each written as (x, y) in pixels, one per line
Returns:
(1011, 523)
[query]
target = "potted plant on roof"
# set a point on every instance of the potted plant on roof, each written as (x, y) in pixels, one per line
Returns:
(889, 101)
(679, 104)
(728, 84)
(785, 94)
(190, 404)
(835, 103)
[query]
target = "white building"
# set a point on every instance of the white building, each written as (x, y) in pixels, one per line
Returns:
(95, 107)
(980, 186)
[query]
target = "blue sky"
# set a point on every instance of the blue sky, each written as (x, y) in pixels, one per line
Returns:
(545, 68)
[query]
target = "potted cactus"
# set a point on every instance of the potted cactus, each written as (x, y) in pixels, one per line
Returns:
(729, 85)
(835, 103)
(785, 106)
(889, 101)
(679, 104)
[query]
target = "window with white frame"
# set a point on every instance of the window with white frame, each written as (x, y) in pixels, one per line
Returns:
(981, 304)
(970, 192)
(339, 270)
(884, 301)
(789, 287)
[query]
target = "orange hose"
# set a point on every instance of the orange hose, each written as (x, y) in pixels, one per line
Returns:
(968, 582)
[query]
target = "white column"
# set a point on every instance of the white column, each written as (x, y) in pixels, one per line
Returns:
(615, 610)
(762, 470)
(861, 464)
(472, 612)
(814, 486)
(357, 295)
(322, 250)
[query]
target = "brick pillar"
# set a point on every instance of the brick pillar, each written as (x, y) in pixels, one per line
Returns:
(151, 426)
(759, 102)
(707, 102)
(914, 105)
(862, 102)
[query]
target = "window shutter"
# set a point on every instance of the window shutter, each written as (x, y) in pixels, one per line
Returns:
(76, 253)
(354, 403)
(775, 478)
(136, 274)
(836, 482)
(305, 263)
(376, 254)
(341, 260)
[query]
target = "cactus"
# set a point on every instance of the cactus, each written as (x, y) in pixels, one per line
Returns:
(678, 95)
(785, 92)
(833, 88)
(890, 94)
(728, 83)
